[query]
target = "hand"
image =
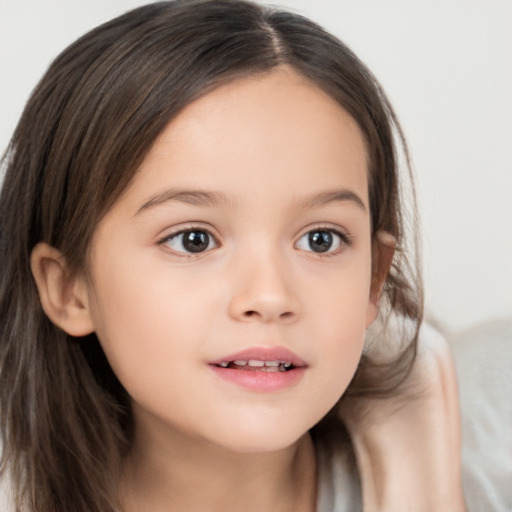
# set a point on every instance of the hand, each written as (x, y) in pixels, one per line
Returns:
(407, 445)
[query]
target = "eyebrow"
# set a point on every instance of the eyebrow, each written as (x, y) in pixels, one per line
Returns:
(210, 198)
(331, 196)
(193, 197)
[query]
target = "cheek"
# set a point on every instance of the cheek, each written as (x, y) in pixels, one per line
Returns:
(338, 312)
(145, 318)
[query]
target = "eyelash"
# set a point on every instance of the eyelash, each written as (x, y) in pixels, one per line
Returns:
(345, 240)
(188, 229)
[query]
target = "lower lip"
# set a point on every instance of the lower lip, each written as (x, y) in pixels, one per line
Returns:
(260, 380)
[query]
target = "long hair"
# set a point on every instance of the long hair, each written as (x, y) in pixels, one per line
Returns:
(65, 419)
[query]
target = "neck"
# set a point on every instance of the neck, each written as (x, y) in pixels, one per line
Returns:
(172, 472)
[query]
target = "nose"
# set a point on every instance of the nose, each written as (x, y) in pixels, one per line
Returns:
(263, 290)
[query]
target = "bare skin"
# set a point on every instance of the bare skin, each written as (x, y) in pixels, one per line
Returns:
(408, 446)
(256, 167)
(260, 168)
(207, 478)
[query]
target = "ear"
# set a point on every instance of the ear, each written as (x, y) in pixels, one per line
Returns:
(64, 298)
(382, 255)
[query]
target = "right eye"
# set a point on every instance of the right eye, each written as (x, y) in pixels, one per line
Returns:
(190, 241)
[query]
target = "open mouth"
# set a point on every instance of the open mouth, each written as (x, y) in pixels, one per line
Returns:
(254, 365)
(261, 369)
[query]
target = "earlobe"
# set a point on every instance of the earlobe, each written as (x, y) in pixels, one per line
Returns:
(63, 297)
(382, 256)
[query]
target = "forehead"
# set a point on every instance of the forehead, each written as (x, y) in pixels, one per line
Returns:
(273, 130)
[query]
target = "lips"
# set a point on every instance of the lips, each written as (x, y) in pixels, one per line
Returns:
(262, 359)
(255, 365)
(261, 369)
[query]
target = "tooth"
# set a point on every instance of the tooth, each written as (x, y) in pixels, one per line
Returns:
(287, 364)
(224, 364)
(272, 363)
(271, 369)
(240, 362)
(253, 362)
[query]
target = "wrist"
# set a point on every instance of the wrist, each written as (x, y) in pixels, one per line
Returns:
(409, 454)
(407, 476)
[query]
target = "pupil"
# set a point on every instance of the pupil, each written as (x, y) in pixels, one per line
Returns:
(196, 241)
(320, 241)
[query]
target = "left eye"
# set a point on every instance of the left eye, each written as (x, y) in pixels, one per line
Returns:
(191, 241)
(321, 240)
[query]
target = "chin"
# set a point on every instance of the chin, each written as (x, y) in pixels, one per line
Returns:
(260, 445)
(247, 439)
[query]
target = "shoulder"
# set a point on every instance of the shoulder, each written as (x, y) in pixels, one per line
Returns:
(6, 494)
(483, 363)
(6, 500)
(6, 503)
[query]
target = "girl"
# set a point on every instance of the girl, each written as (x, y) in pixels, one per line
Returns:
(200, 221)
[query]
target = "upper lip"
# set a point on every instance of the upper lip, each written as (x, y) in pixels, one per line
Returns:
(263, 354)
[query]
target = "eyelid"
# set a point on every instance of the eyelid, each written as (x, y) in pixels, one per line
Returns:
(184, 229)
(345, 237)
(326, 226)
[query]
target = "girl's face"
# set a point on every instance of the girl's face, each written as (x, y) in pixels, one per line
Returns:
(232, 279)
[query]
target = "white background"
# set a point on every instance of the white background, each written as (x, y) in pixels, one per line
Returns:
(447, 66)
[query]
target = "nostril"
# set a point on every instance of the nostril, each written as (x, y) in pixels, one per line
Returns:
(283, 316)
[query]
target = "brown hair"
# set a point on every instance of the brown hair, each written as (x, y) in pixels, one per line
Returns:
(65, 419)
